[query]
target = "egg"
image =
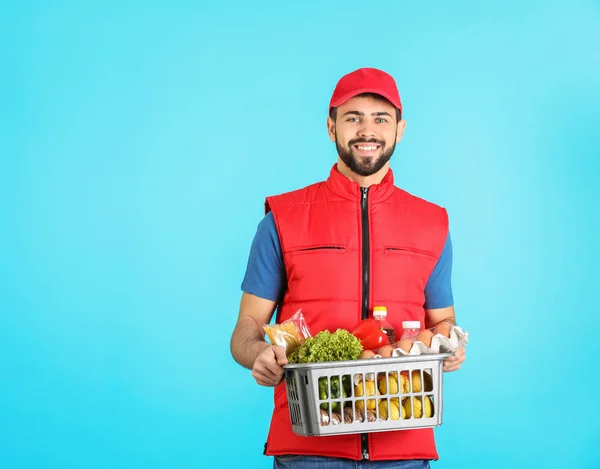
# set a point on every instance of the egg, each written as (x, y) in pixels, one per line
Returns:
(425, 337)
(386, 351)
(367, 354)
(405, 344)
(443, 328)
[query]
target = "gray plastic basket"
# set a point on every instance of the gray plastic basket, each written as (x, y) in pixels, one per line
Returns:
(318, 405)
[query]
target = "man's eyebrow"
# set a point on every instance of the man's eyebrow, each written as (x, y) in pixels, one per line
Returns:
(358, 113)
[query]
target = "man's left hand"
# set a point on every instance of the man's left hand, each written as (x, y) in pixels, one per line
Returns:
(454, 363)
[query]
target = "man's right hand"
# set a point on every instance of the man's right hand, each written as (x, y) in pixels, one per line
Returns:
(268, 366)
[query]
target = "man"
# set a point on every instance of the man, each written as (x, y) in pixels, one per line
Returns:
(336, 249)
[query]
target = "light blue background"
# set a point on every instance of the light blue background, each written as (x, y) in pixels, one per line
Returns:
(138, 141)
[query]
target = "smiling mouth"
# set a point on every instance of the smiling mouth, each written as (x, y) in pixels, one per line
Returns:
(366, 148)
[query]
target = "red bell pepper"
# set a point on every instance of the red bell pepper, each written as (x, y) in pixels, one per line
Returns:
(371, 334)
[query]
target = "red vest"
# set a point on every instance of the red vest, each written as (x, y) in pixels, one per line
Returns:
(344, 252)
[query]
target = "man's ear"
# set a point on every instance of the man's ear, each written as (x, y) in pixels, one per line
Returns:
(400, 130)
(331, 129)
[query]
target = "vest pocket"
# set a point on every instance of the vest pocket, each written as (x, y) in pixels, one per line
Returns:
(409, 251)
(309, 249)
(321, 272)
(404, 271)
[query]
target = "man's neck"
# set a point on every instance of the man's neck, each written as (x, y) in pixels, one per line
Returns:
(363, 181)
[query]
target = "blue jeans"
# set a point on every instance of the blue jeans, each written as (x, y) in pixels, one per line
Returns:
(319, 462)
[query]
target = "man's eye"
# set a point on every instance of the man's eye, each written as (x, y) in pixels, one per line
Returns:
(353, 119)
(380, 120)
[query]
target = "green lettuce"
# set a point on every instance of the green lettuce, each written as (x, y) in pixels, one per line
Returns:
(327, 347)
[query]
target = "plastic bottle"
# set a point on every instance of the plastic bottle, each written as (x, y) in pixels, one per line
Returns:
(380, 315)
(410, 329)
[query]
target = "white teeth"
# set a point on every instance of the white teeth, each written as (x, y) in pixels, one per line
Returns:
(367, 148)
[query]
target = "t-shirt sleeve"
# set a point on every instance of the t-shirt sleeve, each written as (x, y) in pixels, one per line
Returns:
(265, 273)
(438, 291)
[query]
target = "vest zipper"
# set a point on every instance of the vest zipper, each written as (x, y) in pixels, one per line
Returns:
(365, 252)
(365, 285)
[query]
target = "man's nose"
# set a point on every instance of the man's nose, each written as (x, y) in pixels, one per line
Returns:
(366, 130)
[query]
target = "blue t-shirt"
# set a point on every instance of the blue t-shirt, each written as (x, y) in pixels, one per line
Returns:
(266, 278)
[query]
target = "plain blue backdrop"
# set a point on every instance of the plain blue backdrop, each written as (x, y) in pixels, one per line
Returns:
(137, 144)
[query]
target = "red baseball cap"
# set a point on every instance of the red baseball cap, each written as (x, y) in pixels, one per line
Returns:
(366, 80)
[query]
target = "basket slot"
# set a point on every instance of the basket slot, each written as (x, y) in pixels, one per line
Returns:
(417, 407)
(430, 401)
(347, 386)
(405, 382)
(427, 380)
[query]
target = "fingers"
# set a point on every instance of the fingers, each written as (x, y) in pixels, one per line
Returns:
(267, 379)
(267, 359)
(454, 363)
(280, 355)
(267, 370)
(269, 367)
(448, 368)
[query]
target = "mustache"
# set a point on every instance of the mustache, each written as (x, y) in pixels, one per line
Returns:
(381, 143)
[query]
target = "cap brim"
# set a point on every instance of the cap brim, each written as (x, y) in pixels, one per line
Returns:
(353, 93)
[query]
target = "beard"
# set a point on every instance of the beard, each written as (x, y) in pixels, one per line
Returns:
(364, 166)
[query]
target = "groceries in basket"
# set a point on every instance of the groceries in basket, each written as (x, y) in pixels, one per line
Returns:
(370, 334)
(290, 333)
(327, 347)
(375, 333)
(444, 337)
(404, 395)
(333, 389)
(369, 338)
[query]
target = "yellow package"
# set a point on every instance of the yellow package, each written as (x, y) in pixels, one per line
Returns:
(290, 333)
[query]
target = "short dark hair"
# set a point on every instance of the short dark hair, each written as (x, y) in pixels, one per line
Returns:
(333, 111)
